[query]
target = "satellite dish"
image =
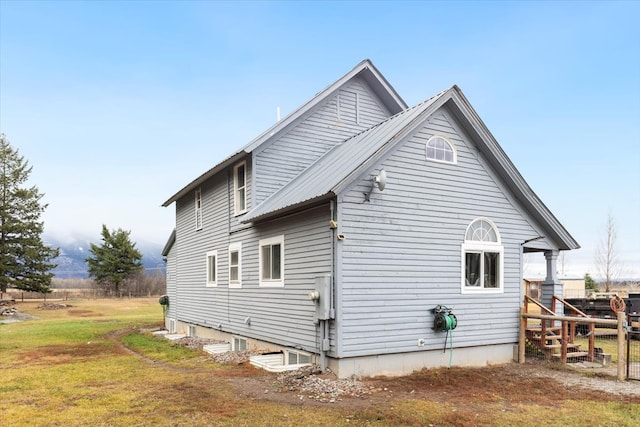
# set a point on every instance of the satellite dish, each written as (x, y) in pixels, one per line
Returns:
(381, 179)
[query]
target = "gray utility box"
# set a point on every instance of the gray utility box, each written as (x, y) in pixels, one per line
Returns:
(321, 296)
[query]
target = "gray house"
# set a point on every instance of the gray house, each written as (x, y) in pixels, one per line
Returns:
(350, 230)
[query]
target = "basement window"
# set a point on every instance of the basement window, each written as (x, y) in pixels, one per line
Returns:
(239, 344)
(297, 358)
(191, 331)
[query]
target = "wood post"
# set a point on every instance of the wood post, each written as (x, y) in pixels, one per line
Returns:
(522, 346)
(622, 362)
(565, 341)
(592, 341)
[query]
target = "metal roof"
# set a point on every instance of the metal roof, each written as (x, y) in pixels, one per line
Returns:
(365, 69)
(346, 162)
(340, 166)
(170, 241)
(333, 171)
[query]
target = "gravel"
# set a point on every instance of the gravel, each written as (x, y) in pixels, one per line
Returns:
(53, 306)
(581, 379)
(321, 387)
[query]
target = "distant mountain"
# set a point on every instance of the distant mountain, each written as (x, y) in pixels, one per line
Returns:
(74, 250)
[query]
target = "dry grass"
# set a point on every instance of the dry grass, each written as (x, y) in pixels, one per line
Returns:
(76, 367)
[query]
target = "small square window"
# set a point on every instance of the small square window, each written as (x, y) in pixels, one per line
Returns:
(239, 344)
(272, 261)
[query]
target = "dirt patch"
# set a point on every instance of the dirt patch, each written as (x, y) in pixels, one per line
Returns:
(60, 354)
(470, 388)
(84, 313)
(53, 306)
(467, 388)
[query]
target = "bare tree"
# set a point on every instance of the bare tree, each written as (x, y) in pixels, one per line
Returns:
(607, 260)
(562, 262)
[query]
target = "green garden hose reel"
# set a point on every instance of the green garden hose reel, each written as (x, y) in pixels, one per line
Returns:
(445, 321)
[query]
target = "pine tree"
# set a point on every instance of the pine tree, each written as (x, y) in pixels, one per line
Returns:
(115, 260)
(25, 261)
(589, 283)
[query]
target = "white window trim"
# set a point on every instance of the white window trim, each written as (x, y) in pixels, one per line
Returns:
(478, 246)
(232, 248)
(481, 247)
(236, 188)
(198, 209)
(215, 279)
(238, 338)
(298, 353)
(271, 241)
(453, 149)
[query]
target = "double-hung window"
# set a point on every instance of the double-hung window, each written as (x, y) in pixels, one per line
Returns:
(235, 265)
(482, 258)
(212, 268)
(198, 209)
(271, 261)
(240, 188)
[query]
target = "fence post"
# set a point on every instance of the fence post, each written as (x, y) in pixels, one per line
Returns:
(523, 339)
(565, 339)
(622, 363)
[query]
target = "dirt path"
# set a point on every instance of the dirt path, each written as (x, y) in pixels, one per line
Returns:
(541, 384)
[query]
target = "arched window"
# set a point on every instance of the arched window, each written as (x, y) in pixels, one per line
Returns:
(482, 258)
(481, 230)
(440, 149)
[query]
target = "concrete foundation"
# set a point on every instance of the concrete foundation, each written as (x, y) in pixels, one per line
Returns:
(396, 364)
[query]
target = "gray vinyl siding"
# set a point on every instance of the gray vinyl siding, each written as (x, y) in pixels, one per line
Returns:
(327, 125)
(281, 315)
(402, 252)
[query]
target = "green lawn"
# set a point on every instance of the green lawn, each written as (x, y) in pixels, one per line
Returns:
(69, 368)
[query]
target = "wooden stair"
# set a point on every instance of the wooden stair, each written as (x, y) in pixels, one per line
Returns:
(550, 344)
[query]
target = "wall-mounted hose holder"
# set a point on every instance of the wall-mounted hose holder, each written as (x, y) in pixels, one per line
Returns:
(164, 302)
(445, 321)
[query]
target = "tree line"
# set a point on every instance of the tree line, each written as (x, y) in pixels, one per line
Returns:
(26, 262)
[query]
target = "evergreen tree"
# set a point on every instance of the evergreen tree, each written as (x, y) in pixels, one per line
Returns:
(25, 261)
(589, 283)
(115, 261)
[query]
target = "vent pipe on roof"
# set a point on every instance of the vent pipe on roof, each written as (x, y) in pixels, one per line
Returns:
(278, 113)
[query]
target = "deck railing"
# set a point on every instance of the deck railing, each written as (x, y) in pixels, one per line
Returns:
(547, 324)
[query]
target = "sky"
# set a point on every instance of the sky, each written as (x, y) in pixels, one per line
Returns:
(119, 104)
